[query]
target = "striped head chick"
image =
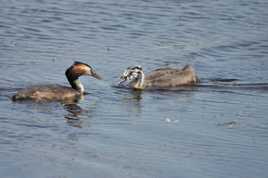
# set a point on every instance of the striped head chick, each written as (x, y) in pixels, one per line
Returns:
(133, 77)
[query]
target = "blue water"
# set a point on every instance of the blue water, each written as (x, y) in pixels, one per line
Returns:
(113, 132)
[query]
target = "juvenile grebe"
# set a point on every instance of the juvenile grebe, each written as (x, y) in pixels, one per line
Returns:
(58, 92)
(162, 78)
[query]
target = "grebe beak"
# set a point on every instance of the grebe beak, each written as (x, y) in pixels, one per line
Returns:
(122, 79)
(95, 75)
(124, 76)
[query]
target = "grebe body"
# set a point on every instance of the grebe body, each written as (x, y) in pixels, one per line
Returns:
(58, 92)
(162, 78)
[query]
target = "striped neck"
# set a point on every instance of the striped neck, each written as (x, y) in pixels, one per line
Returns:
(140, 81)
(76, 84)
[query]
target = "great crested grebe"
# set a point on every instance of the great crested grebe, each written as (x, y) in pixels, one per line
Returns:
(162, 78)
(58, 92)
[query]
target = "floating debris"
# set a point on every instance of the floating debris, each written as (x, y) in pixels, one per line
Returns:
(168, 120)
(230, 124)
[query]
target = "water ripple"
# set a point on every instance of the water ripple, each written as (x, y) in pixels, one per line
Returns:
(214, 130)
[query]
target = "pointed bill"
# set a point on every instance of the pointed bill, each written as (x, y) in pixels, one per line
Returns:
(95, 75)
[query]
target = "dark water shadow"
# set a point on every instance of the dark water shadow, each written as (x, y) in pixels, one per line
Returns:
(234, 86)
(213, 84)
(72, 117)
(7, 93)
(229, 125)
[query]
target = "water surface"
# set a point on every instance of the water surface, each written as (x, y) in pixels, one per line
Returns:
(206, 132)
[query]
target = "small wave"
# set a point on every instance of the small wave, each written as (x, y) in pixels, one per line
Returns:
(233, 84)
(226, 84)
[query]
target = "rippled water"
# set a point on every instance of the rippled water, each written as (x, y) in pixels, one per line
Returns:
(207, 132)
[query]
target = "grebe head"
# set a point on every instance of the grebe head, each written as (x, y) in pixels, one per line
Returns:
(79, 69)
(134, 76)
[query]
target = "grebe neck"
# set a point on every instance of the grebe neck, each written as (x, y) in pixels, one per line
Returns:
(78, 86)
(140, 82)
(74, 81)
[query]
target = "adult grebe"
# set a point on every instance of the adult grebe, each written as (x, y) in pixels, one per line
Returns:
(162, 78)
(58, 92)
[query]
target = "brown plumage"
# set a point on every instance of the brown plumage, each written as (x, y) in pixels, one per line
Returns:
(162, 78)
(169, 77)
(43, 93)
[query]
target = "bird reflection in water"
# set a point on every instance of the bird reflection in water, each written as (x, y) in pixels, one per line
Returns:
(72, 117)
(136, 95)
(132, 102)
